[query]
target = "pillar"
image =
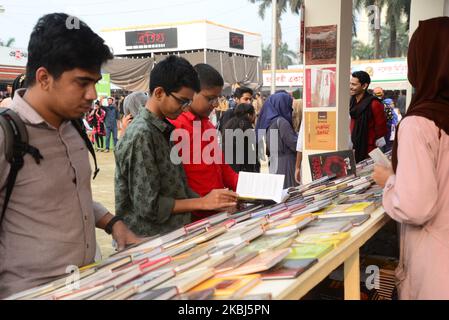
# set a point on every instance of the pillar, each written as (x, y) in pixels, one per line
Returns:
(324, 13)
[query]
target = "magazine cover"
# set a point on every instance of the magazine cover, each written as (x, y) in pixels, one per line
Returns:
(320, 130)
(320, 87)
(340, 163)
(321, 45)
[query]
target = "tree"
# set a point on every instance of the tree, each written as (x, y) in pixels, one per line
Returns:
(366, 51)
(266, 56)
(282, 7)
(286, 57)
(401, 40)
(358, 5)
(8, 43)
(396, 9)
(361, 51)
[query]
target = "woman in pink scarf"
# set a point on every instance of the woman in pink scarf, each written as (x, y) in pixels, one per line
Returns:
(416, 190)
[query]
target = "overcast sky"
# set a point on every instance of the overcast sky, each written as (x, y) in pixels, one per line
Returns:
(21, 15)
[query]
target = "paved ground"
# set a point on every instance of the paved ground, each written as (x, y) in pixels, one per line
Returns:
(103, 192)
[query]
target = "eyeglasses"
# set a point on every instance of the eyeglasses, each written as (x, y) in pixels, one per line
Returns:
(211, 101)
(183, 103)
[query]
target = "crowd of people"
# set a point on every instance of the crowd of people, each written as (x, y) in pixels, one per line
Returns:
(178, 159)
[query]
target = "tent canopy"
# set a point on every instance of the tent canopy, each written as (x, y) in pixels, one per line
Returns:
(134, 74)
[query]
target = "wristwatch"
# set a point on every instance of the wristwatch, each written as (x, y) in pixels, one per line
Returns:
(111, 223)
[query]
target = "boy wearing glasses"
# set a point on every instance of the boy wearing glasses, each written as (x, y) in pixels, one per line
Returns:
(151, 191)
(205, 170)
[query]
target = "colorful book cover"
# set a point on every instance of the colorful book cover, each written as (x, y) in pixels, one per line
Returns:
(353, 209)
(289, 269)
(321, 45)
(236, 261)
(333, 238)
(320, 130)
(327, 226)
(229, 286)
(196, 295)
(355, 220)
(365, 207)
(258, 296)
(340, 163)
(262, 262)
(152, 280)
(294, 224)
(157, 294)
(269, 242)
(189, 279)
(310, 251)
(185, 263)
(320, 87)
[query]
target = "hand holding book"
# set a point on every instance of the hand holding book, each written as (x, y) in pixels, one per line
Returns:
(382, 169)
(381, 174)
(219, 199)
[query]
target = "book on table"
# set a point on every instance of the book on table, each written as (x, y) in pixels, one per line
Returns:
(261, 262)
(152, 280)
(188, 279)
(288, 269)
(333, 238)
(271, 242)
(238, 236)
(236, 261)
(165, 293)
(185, 263)
(233, 287)
(355, 220)
(327, 226)
(261, 186)
(288, 225)
(350, 209)
(310, 251)
(106, 279)
(341, 163)
(313, 207)
(206, 294)
(258, 296)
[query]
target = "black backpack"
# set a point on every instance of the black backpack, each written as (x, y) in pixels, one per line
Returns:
(16, 147)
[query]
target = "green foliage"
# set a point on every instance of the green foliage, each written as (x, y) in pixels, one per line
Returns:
(8, 43)
(285, 56)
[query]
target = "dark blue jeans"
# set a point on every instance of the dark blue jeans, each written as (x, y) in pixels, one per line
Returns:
(110, 130)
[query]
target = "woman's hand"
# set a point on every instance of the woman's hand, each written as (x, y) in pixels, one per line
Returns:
(381, 174)
(125, 122)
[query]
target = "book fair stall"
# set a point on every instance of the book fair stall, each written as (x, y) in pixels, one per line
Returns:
(265, 250)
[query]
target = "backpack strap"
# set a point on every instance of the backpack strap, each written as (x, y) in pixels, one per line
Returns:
(16, 146)
(79, 127)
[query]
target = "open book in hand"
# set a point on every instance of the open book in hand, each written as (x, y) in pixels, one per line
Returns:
(380, 158)
(261, 186)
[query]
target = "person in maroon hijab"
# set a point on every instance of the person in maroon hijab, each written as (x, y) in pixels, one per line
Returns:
(416, 192)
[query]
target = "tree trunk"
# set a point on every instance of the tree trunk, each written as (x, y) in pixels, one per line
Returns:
(392, 50)
(377, 44)
(279, 33)
(278, 37)
(377, 33)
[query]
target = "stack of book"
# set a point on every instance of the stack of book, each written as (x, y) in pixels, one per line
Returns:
(225, 255)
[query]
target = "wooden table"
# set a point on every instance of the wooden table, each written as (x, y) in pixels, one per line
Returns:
(347, 253)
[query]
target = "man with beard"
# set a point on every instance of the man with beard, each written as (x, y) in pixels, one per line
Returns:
(368, 122)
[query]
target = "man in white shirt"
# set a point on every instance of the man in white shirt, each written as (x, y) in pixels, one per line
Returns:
(299, 148)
